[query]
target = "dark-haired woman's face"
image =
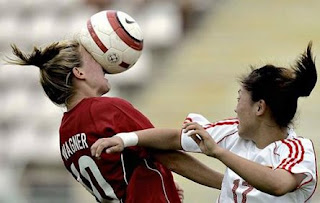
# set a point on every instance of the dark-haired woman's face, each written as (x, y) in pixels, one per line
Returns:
(245, 113)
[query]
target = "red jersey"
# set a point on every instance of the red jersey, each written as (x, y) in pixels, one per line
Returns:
(130, 176)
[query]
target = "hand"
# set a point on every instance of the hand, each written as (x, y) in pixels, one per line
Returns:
(207, 145)
(111, 144)
(180, 191)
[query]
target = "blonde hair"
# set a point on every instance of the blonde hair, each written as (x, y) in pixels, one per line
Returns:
(55, 62)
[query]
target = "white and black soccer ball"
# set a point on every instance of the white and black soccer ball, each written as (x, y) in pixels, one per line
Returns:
(114, 39)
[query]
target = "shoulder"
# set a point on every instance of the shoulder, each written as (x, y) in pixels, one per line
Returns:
(109, 100)
(115, 107)
(296, 144)
(297, 155)
(296, 151)
(109, 107)
(194, 117)
(224, 132)
(109, 103)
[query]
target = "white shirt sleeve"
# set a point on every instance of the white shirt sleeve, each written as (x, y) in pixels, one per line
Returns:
(297, 155)
(219, 131)
(187, 143)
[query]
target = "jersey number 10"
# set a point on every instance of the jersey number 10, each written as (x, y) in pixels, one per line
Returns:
(88, 167)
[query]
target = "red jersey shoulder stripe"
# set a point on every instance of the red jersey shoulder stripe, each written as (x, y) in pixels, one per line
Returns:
(296, 154)
(302, 151)
(222, 123)
(293, 161)
(289, 156)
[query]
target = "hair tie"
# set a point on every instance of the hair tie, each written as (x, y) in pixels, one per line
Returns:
(68, 76)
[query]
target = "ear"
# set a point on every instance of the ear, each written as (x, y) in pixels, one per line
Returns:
(78, 73)
(261, 107)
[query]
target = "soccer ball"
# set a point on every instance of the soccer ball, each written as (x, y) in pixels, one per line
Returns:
(114, 39)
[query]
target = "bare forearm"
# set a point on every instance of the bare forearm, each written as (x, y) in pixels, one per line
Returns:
(186, 165)
(204, 175)
(165, 139)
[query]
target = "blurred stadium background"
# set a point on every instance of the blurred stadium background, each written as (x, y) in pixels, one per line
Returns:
(194, 52)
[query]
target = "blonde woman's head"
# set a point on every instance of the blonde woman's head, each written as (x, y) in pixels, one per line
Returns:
(55, 62)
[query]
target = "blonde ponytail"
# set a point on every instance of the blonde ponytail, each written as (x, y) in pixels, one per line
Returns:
(56, 62)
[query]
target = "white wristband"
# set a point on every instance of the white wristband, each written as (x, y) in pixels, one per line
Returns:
(129, 139)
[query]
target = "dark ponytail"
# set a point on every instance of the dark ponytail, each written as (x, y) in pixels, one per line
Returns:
(305, 74)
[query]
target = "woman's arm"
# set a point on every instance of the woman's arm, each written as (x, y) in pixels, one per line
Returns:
(189, 167)
(164, 139)
(274, 182)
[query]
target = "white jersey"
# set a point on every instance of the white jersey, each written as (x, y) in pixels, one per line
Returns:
(294, 154)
